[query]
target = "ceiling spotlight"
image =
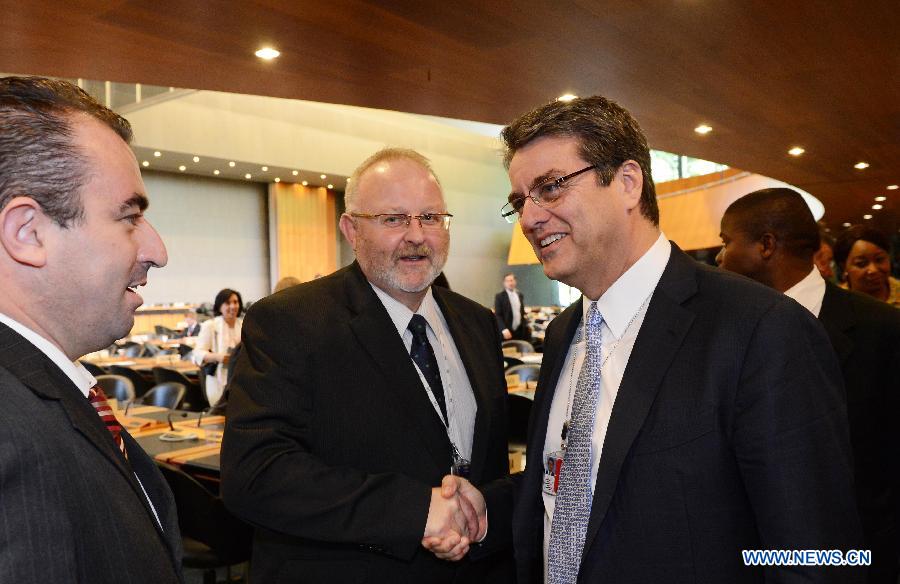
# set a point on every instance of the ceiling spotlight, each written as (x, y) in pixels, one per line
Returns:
(231, 164)
(861, 165)
(157, 154)
(322, 176)
(867, 216)
(277, 179)
(796, 151)
(877, 207)
(265, 169)
(248, 176)
(703, 129)
(880, 199)
(304, 183)
(182, 168)
(145, 163)
(330, 186)
(294, 172)
(216, 172)
(846, 225)
(566, 97)
(892, 187)
(267, 53)
(196, 159)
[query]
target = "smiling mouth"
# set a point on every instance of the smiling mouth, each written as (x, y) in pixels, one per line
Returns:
(551, 239)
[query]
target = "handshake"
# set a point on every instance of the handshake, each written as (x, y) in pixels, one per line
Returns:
(457, 517)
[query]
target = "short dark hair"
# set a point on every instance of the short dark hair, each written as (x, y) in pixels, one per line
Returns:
(37, 155)
(222, 297)
(608, 134)
(851, 235)
(782, 212)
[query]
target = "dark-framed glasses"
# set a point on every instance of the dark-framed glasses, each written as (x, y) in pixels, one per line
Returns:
(544, 195)
(396, 220)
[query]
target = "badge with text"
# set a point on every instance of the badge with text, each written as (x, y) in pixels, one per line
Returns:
(552, 468)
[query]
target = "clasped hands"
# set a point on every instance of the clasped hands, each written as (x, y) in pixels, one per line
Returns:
(457, 517)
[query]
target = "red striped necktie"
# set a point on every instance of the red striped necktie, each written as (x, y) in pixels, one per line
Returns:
(98, 400)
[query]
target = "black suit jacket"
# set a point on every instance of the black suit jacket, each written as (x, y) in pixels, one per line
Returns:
(332, 445)
(728, 432)
(865, 334)
(70, 508)
(503, 312)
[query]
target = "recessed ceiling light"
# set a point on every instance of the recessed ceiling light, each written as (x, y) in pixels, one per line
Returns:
(892, 187)
(322, 176)
(216, 172)
(182, 168)
(294, 172)
(231, 164)
(157, 154)
(877, 207)
(267, 53)
(880, 199)
(265, 169)
(304, 183)
(846, 225)
(248, 176)
(796, 151)
(867, 216)
(861, 165)
(277, 179)
(196, 159)
(566, 97)
(330, 186)
(703, 129)
(145, 163)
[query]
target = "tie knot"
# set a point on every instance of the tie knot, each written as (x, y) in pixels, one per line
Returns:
(95, 394)
(417, 326)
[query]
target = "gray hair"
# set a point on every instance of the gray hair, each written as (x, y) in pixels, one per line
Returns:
(382, 155)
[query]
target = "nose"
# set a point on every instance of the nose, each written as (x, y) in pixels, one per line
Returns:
(720, 256)
(152, 249)
(415, 233)
(532, 215)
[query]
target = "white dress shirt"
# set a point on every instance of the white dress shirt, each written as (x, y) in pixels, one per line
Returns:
(809, 292)
(460, 400)
(516, 305)
(623, 308)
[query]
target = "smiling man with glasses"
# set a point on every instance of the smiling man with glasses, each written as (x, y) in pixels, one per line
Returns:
(682, 414)
(358, 394)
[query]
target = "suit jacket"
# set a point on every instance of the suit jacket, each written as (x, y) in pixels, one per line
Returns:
(728, 432)
(70, 508)
(865, 334)
(332, 446)
(503, 312)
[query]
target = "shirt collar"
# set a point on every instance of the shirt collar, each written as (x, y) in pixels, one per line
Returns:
(74, 370)
(624, 298)
(809, 291)
(401, 315)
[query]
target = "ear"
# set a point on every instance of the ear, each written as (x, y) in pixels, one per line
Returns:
(767, 245)
(23, 227)
(348, 228)
(633, 182)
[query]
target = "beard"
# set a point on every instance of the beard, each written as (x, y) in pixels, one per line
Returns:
(391, 275)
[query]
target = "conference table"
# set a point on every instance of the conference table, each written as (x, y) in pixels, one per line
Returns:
(146, 364)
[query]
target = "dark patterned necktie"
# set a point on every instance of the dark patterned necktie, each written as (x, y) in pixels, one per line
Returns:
(422, 353)
(98, 400)
(573, 503)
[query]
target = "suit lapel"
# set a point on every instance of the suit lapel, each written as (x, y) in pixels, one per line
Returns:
(661, 335)
(837, 317)
(374, 330)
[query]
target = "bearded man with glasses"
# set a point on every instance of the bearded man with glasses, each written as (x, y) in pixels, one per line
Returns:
(682, 414)
(358, 394)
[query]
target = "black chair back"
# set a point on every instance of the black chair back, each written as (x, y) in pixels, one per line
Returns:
(138, 381)
(164, 330)
(117, 387)
(510, 361)
(133, 350)
(519, 408)
(194, 397)
(520, 346)
(526, 371)
(94, 370)
(165, 395)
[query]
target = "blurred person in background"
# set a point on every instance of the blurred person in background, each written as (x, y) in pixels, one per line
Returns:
(862, 254)
(218, 336)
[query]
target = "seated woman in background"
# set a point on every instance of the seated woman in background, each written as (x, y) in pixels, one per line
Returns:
(861, 252)
(217, 337)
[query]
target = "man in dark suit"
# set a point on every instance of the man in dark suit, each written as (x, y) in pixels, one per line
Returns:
(771, 236)
(356, 393)
(682, 414)
(509, 310)
(79, 500)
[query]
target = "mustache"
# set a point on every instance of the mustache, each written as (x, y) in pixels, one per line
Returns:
(414, 250)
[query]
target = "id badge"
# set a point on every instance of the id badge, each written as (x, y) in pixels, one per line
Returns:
(552, 468)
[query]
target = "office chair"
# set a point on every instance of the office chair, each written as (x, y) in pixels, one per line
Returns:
(520, 346)
(117, 387)
(194, 397)
(165, 395)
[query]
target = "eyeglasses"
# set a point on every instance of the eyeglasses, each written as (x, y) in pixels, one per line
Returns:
(395, 220)
(542, 195)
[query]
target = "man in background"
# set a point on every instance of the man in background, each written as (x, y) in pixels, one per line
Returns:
(509, 310)
(357, 393)
(770, 235)
(79, 500)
